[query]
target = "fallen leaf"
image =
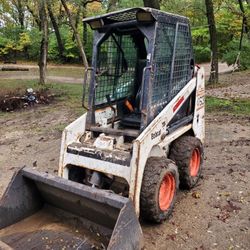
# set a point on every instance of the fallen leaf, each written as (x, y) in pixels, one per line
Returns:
(196, 195)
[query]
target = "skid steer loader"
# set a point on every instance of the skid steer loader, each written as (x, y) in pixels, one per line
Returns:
(142, 134)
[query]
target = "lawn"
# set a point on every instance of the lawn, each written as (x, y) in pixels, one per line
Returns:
(60, 71)
(69, 95)
(233, 106)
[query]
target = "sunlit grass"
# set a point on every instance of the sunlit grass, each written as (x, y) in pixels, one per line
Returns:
(233, 106)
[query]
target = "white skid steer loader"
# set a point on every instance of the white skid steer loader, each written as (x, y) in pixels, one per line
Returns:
(141, 136)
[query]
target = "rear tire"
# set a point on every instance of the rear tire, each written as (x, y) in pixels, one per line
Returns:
(159, 185)
(187, 153)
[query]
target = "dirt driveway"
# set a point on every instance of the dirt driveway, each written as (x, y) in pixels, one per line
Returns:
(215, 215)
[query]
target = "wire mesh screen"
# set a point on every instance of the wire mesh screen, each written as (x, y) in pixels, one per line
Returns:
(116, 66)
(163, 61)
(182, 62)
(168, 83)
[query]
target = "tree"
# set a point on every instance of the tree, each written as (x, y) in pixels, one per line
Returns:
(245, 24)
(44, 41)
(152, 4)
(20, 10)
(57, 31)
(76, 34)
(30, 7)
(214, 74)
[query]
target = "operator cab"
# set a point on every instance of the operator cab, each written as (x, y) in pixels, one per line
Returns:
(141, 59)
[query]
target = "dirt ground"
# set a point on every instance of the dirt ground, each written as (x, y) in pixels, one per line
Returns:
(214, 215)
(240, 89)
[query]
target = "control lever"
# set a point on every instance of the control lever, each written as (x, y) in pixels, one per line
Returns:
(111, 106)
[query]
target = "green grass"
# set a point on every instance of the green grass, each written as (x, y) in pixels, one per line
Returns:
(74, 72)
(67, 94)
(66, 89)
(233, 106)
(11, 85)
(68, 97)
(67, 72)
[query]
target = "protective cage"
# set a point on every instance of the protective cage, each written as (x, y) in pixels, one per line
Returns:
(168, 67)
(173, 63)
(115, 75)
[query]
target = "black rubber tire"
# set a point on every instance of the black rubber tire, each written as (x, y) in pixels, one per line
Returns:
(155, 170)
(181, 153)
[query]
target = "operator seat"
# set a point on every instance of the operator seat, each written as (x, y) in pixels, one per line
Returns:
(133, 119)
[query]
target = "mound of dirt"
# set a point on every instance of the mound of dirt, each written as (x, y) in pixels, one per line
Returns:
(20, 99)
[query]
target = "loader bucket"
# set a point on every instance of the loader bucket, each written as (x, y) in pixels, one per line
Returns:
(41, 211)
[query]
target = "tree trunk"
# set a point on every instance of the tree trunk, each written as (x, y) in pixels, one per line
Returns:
(76, 34)
(57, 31)
(44, 42)
(246, 25)
(214, 75)
(20, 13)
(85, 29)
(152, 4)
(78, 15)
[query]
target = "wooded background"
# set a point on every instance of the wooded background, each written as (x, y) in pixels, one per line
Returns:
(42, 30)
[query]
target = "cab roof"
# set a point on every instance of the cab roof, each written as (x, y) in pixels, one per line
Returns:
(133, 15)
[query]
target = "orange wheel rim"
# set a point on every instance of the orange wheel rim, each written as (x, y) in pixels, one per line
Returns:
(195, 162)
(167, 191)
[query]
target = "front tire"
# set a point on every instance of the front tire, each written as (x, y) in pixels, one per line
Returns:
(159, 186)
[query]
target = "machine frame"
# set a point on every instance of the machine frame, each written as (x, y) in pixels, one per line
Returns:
(157, 132)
